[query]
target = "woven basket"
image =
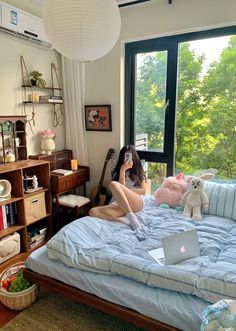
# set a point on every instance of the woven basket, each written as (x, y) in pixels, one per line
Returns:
(17, 300)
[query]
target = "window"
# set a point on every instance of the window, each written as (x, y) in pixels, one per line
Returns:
(180, 106)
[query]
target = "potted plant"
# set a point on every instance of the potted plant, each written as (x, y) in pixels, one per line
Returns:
(36, 79)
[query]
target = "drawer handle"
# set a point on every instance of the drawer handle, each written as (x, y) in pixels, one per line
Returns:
(34, 201)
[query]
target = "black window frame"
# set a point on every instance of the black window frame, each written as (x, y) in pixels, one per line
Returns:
(170, 43)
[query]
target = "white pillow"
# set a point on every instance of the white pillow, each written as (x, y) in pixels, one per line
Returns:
(222, 199)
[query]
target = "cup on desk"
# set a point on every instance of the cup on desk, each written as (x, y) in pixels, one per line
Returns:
(74, 164)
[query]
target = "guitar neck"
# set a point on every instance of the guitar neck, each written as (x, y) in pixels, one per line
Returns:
(102, 178)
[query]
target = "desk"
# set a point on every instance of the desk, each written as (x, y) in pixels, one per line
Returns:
(61, 184)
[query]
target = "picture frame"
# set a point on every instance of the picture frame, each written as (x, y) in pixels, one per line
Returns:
(98, 117)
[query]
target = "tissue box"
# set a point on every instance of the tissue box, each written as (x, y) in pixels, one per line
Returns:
(9, 246)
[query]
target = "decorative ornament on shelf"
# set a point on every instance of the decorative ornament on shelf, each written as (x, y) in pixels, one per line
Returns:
(82, 30)
(47, 141)
(10, 156)
(36, 79)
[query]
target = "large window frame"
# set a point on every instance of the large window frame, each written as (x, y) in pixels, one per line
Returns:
(171, 44)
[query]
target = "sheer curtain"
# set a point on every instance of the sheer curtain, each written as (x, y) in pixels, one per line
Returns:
(73, 77)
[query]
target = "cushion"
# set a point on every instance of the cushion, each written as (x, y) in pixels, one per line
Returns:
(72, 200)
(222, 199)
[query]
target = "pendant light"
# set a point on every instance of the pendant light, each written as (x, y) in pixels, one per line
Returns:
(82, 30)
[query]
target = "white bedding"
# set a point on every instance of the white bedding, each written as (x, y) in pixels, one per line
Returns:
(176, 309)
(112, 248)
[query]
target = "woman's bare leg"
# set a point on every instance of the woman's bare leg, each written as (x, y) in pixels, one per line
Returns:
(127, 203)
(110, 212)
(127, 200)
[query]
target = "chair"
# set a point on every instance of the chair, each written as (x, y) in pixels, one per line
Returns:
(73, 202)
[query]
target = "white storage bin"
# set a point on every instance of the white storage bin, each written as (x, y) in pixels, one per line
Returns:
(9, 246)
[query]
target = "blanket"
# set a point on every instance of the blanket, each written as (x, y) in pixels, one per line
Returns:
(113, 248)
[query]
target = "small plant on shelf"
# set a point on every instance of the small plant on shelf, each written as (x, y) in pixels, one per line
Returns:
(36, 79)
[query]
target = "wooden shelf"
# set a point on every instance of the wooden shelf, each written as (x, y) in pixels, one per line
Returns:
(13, 128)
(14, 173)
(41, 88)
(42, 103)
(10, 230)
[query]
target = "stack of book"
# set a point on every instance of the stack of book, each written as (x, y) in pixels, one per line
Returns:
(36, 235)
(55, 98)
(50, 99)
(8, 215)
(63, 172)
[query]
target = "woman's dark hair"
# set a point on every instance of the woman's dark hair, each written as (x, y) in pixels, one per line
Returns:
(136, 173)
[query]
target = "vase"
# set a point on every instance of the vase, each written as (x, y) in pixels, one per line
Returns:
(47, 145)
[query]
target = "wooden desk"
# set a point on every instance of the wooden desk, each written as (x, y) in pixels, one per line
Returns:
(62, 184)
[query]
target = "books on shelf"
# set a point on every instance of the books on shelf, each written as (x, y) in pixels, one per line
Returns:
(50, 98)
(8, 215)
(36, 235)
(63, 172)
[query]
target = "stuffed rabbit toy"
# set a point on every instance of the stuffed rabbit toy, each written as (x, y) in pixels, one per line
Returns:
(195, 197)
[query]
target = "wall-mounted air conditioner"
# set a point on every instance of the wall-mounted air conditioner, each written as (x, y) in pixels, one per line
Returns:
(27, 27)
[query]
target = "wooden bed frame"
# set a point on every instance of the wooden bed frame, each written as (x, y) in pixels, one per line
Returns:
(126, 314)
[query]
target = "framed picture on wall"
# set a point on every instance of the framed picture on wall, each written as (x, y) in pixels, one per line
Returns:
(98, 118)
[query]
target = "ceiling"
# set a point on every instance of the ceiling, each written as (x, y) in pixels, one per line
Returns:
(123, 3)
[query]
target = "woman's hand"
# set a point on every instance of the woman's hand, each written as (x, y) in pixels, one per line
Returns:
(126, 165)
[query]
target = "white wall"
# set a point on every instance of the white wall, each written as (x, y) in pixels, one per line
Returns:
(11, 79)
(104, 77)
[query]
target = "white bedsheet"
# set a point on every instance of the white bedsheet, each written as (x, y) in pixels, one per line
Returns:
(176, 309)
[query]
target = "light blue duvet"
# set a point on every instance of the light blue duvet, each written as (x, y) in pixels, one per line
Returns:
(113, 248)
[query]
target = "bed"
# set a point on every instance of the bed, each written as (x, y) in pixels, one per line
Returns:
(106, 265)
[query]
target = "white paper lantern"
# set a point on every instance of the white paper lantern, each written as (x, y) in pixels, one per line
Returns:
(83, 30)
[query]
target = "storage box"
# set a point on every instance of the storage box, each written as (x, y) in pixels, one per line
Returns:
(34, 207)
(9, 246)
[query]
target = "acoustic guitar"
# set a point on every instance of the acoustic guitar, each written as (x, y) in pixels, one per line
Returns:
(99, 195)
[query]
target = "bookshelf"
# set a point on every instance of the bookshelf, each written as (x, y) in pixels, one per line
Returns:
(32, 209)
(12, 138)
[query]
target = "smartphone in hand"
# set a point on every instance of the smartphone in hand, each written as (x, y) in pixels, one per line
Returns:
(128, 157)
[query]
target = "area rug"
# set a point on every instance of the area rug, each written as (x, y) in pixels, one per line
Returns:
(54, 313)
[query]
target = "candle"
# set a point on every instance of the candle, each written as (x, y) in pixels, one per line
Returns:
(74, 164)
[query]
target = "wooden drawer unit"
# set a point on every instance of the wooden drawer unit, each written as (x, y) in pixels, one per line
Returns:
(61, 184)
(59, 159)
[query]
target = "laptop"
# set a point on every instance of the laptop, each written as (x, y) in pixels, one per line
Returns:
(177, 247)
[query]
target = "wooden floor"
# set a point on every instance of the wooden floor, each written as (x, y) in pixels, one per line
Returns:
(6, 314)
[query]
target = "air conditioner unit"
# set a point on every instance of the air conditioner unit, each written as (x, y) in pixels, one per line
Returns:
(20, 24)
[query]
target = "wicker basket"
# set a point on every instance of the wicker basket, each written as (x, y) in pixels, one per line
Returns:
(17, 300)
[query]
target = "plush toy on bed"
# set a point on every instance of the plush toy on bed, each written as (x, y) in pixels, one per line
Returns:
(195, 198)
(170, 192)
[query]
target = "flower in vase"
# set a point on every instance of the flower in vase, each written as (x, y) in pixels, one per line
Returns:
(48, 134)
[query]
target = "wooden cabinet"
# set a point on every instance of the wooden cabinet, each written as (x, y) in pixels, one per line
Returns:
(12, 139)
(29, 215)
(58, 160)
(62, 184)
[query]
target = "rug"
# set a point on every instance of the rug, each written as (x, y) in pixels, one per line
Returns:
(54, 313)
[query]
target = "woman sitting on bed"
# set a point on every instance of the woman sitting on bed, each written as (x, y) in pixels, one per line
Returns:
(127, 188)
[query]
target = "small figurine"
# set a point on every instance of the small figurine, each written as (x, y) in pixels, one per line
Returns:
(35, 182)
(9, 156)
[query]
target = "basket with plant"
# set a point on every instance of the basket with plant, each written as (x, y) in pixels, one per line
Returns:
(16, 292)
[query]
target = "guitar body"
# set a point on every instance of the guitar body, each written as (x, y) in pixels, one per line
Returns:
(99, 195)
(101, 199)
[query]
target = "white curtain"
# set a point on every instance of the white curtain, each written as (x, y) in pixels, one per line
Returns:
(73, 77)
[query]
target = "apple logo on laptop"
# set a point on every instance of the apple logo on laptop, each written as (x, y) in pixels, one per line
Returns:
(182, 249)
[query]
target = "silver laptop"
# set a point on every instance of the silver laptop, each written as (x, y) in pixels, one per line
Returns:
(181, 246)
